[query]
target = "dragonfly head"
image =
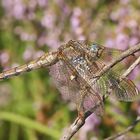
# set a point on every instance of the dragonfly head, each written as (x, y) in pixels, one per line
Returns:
(96, 50)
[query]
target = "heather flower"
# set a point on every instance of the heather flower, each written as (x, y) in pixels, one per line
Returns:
(122, 41)
(14, 8)
(42, 3)
(75, 22)
(4, 58)
(48, 20)
(110, 43)
(133, 41)
(124, 1)
(28, 53)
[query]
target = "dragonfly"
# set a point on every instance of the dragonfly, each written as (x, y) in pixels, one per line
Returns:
(78, 64)
(72, 68)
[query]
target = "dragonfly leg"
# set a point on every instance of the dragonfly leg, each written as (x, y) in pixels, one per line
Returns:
(81, 110)
(81, 113)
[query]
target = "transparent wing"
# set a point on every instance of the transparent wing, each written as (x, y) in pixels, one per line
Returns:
(73, 89)
(124, 90)
(110, 54)
(60, 74)
(92, 103)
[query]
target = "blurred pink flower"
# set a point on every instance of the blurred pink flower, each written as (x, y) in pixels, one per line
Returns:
(42, 3)
(15, 8)
(75, 22)
(134, 73)
(81, 37)
(53, 44)
(138, 85)
(132, 23)
(48, 20)
(66, 10)
(32, 4)
(123, 11)
(27, 37)
(28, 53)
(91, 124)
(4, 58)
(133, 41)
(124, 1)
(38, 54)
(119, 14)
(60, 2)
(18, 10)
(122, 41)
(79, 30)
(110, 43)
(77, 12)
(41, 40)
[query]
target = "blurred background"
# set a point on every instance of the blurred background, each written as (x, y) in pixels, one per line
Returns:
(28, 28)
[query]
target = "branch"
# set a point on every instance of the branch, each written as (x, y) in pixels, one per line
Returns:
(78, 123)
(125, 74)
(126, 130)
(122, 56)
(131, 68)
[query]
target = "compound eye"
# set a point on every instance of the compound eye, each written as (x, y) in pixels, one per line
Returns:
(94, 48)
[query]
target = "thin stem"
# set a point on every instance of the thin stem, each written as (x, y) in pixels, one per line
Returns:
(122, 56)
(125, 74)
(79, 122)
(131, 68)
(125, 131)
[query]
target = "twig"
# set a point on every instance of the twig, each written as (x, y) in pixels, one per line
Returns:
(125, 74)
(122, 56)
(131, 68)
(126, 130)
(78, 123)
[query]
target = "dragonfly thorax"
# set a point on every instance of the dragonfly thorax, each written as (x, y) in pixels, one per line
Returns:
(80, 63)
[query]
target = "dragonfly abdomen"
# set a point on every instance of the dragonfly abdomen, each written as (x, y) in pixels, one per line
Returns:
(45, 60)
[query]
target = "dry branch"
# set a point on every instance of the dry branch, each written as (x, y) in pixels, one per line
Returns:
(126, 130)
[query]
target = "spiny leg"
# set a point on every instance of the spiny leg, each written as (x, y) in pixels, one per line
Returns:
(80, 106)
